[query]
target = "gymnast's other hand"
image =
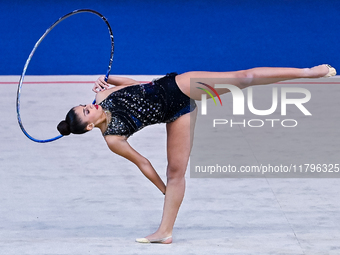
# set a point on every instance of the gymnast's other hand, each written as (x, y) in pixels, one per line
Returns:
(100, 84)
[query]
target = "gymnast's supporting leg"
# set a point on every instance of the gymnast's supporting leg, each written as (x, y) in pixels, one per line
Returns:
(179, 143)
(250, 77)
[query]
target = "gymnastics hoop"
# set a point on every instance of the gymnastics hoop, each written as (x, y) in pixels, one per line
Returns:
(31, 55)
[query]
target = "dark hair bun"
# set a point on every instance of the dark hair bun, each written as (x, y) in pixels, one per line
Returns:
(64, 128)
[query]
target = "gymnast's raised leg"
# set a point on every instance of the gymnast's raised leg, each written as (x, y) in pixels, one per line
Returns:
(251, 77)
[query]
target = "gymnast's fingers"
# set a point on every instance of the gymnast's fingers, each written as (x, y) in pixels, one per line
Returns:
(104, 86)
(96, 88)
(101, 81)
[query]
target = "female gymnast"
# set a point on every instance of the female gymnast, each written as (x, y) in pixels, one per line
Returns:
(129, 106)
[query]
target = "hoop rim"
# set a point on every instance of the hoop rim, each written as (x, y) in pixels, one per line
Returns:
(32, 53)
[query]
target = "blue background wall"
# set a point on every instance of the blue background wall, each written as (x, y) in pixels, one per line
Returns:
(156, 37)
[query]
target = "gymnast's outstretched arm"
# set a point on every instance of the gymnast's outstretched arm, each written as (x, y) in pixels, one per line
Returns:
(120, 146)
(101, 84)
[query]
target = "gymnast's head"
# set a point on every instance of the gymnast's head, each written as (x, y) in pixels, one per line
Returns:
(80, 119)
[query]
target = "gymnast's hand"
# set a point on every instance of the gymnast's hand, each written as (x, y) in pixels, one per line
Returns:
(100, 84)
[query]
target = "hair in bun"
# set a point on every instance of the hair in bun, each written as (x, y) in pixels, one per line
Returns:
(72, 124)
(64, 128)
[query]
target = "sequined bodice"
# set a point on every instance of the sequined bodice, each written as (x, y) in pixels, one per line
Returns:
(133, 108)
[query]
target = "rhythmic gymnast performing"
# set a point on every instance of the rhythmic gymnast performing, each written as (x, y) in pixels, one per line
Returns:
(123, 106)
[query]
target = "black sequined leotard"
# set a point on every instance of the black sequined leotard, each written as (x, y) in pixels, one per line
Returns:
(138, 106)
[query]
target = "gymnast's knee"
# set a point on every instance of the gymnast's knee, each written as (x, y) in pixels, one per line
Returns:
(175, 172)
(245, 77)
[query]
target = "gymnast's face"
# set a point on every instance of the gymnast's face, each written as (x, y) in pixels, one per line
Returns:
(90, 113)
